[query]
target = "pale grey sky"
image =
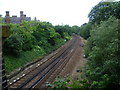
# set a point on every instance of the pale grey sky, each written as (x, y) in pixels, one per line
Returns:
(70, 12)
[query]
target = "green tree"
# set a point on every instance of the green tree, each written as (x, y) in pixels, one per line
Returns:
(103, 59)
(103, 11)
(20, 39)
(64, 31)
(85, 30)
(75, 29)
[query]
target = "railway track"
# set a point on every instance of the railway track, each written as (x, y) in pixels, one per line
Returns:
(33, 67)
(46, 70)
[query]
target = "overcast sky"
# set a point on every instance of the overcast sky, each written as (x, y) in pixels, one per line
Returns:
(70, 12)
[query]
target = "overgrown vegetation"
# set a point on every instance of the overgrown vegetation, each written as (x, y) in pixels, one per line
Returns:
(102, 54)
(102, 49)
(33, 39)
(67, 83)
(85, 30)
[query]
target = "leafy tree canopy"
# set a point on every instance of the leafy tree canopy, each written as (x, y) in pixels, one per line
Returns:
(103, 11)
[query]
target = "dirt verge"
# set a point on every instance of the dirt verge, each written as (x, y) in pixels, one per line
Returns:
(75, 66)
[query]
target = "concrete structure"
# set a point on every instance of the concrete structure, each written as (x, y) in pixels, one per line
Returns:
(14, 19)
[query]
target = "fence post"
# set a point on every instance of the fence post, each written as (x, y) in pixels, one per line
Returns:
(0, 71)
(3, 78)
(0, 56)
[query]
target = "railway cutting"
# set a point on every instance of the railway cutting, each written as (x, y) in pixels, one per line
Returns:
(48, 68)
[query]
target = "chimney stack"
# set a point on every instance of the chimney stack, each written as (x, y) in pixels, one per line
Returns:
(7, 17)
(24, 15)
(7, 13)
(21, 14)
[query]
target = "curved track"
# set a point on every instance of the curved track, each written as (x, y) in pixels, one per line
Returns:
(47, 70)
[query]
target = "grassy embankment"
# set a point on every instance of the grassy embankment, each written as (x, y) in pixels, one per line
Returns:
(12, 63)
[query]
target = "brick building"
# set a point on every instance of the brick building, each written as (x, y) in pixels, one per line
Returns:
(14, 19)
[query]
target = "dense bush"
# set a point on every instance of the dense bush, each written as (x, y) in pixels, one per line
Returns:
(32, 38)
(102, 51)
(27, 35)
(66, 30)
(20, 39)
(85, 30)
